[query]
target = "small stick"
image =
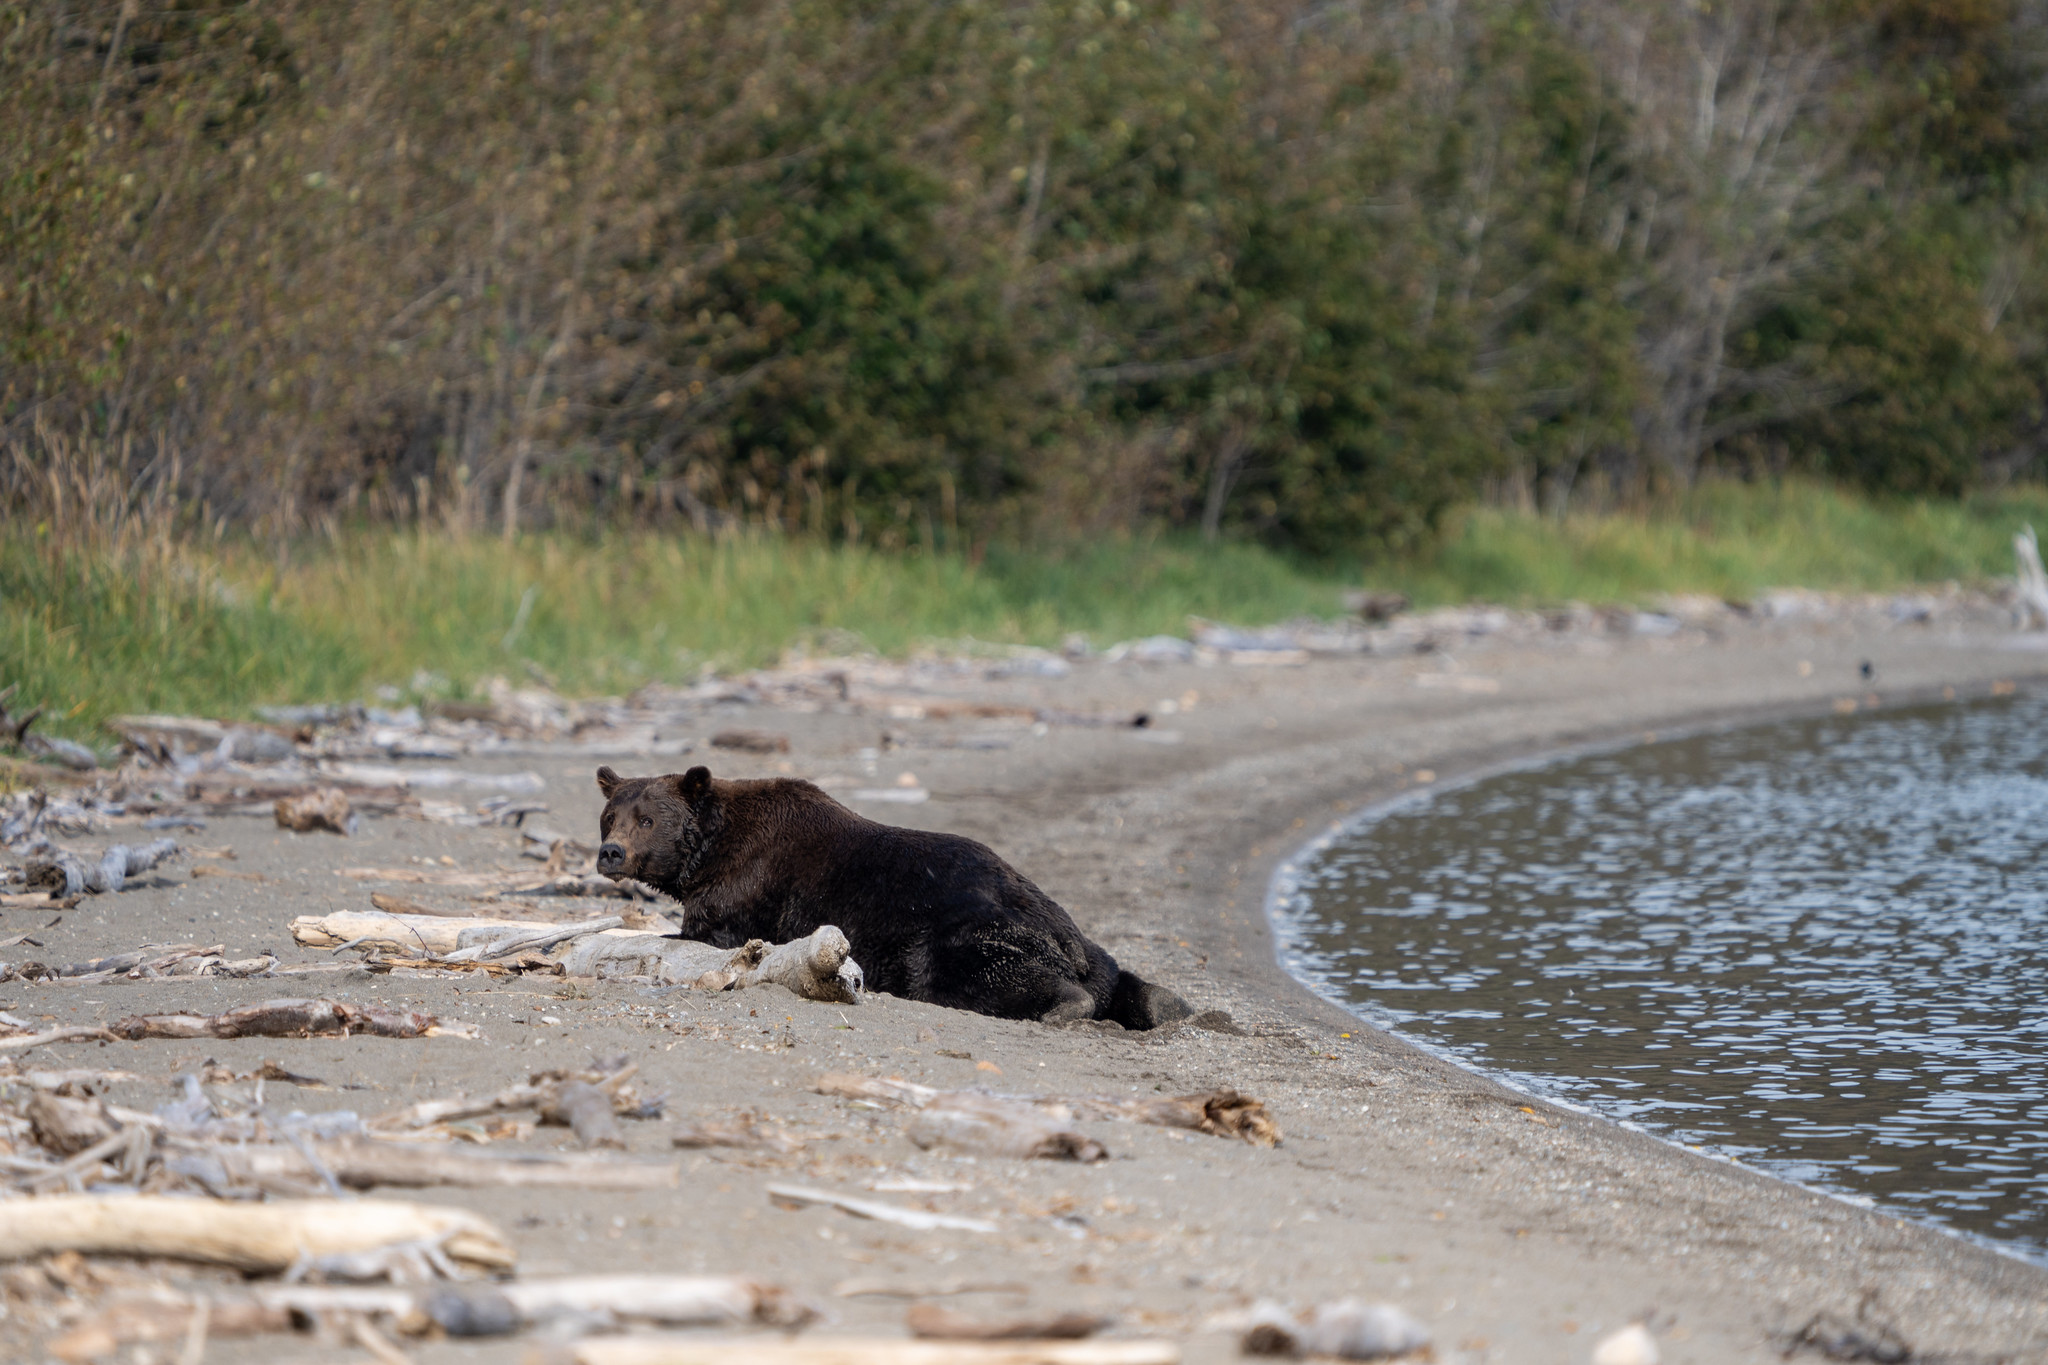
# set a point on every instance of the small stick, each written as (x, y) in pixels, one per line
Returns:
(876, 1209)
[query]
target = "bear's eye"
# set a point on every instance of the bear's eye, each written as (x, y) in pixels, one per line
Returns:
(646, 822)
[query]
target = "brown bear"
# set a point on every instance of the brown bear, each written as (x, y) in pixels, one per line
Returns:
(931, 916)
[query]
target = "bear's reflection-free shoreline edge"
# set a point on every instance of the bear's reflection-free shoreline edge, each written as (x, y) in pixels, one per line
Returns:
(1807, 945)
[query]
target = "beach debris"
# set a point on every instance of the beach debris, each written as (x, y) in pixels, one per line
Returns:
(818, 966)
(541, 1093)
(797, 1196)
(291, 1019)
(581, 1303)
(972, 1122)
(65, 753)
(586, 1111)
(723, 1350)
(1865, 1337)
(325, 808)
(60, 873)
(151, 962)
(362, 1163)
(931, 1321)
(1348, 1329)
(168, 739)
(751, 741)
(746, 1130)
(1632, 1345)
(387, 1237)
(1221, 1113)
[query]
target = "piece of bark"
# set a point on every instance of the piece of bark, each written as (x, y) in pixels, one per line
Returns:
(681, 1349)
(67, 1126)
(290, 1019)
(327, 808)
(588, 1113)
(997, 1126)
(264, 1238)
(746, 1131)
(877, 1209)
(362, 1165)
(931, 1321)
(1221, 1113)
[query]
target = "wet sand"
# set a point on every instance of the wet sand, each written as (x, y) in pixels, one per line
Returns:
(1517, 1231)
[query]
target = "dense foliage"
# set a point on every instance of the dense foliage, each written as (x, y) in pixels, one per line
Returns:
(907, 272)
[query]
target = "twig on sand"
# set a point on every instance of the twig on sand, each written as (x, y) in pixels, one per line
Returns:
(799, 1195)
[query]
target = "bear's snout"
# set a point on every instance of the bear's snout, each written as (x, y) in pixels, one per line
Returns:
(611, 859)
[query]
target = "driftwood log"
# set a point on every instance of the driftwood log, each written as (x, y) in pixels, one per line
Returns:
(689, 1350)
(290, 1019)
(818, 966)
(265, 1238)
(62, 873)
(363, 1165)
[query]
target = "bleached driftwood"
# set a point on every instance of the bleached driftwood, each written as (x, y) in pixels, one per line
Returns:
(1221, 1113)
(144, 964)
(999, 1126)
(696, 1350)
(590, 1301)
(61, 872)
(876, 1209)
(539, 1093)
(266, 1238)
(363, 1165)
(819, 966)
(291, 1019)
(522, 939)
(67, 1033)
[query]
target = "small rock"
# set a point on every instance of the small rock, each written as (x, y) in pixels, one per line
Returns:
(1632, 1345)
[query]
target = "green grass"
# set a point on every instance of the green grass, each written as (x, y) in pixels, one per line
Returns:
(219, 632)
(1730, 540)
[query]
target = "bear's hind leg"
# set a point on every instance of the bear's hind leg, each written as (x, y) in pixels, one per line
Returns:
(1075, 1004)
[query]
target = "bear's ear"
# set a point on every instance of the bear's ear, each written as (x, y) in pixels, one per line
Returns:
(693, 786)
(608, 781)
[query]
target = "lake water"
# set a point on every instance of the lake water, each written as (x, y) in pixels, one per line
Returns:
(1820, 947)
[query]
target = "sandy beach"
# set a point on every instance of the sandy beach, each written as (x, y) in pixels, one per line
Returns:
(1517, 1231)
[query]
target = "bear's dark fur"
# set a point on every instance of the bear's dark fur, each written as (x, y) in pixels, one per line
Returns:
(930, 916)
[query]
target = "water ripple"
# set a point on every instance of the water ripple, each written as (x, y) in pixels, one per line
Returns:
(1821, 946)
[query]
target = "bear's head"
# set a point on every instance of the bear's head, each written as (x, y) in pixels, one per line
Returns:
(654, 829)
